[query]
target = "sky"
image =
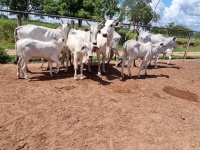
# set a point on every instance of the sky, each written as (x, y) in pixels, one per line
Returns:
(181, 12)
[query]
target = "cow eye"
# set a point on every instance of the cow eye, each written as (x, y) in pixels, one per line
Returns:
(111, 25)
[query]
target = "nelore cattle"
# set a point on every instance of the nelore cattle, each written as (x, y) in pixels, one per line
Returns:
(29, 48)
(104, 41)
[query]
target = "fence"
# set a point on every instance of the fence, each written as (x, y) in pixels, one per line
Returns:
(190, 33)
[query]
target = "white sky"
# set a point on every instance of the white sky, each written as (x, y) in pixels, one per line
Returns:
(182, 12)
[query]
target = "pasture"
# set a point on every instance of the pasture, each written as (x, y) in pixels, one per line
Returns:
(160, 111)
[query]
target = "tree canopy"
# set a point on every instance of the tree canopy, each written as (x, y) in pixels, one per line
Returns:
(135, 11)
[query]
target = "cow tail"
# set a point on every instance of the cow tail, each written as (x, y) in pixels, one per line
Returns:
(15, 36)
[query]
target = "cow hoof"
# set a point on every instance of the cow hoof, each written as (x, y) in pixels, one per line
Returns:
(81, 78)
(75, 78)
(99, 74)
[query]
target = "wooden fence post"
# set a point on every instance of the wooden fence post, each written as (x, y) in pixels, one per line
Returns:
(19, 19)
(72, 24)
(188, 44)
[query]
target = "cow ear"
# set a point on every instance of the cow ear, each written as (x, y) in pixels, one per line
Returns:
(117, 24)
(87, 29)
(174, 38)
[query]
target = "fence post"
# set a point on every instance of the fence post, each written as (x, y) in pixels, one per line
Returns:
(19, 19)
(188, 44)
(72, 24)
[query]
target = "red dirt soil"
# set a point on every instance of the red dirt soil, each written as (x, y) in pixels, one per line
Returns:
(160, 111)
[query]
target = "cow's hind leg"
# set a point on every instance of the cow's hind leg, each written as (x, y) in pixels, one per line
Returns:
(129, 66)
(18, 67)
(24, 67)
(81, 69)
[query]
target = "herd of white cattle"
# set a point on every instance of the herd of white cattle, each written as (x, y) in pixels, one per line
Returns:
(42, 42)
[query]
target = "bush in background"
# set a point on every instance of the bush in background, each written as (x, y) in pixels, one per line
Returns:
(4, 57)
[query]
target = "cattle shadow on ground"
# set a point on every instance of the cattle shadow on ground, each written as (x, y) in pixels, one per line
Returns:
(163, 66)
(135, 77)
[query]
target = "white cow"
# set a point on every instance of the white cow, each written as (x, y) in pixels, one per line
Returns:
(77, 46)
(114, 47)
(29, 48)
(134, 50)
(41, 33)
(90, 37)
(169, 42)
(104, 41)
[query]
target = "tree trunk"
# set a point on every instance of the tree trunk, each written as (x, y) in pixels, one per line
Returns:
(79, 23)
(19, 19)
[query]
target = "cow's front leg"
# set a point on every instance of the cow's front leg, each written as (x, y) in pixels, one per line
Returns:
(89, 64)
(122, 65)
(103, 63)
(55, 59)
(117, 58)
(99, 63)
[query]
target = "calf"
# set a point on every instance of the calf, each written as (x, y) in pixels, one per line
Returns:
(135, 49)
(28, 48)
(77, 46)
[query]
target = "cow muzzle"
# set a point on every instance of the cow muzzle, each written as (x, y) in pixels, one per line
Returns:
(104, 35)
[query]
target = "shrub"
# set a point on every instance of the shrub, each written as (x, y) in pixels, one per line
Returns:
(4, 57)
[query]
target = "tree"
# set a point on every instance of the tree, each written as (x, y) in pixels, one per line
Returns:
(140, 12)
(23, 5)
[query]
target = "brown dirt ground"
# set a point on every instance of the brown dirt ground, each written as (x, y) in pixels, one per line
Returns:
(160, 111)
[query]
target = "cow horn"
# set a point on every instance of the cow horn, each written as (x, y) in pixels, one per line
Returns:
(136, 36)
(118, 16)
(100, 23)
(88, 23)
(105, 16)
(137, 32)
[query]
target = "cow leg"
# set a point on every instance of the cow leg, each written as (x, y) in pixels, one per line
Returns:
(122, 65)
(18, 67)
(117, 58)
(110, 55)
(50, 67)
(42, 62)
(145, 68)
(75, 66)
(24, 66)
(170, 56)
(134, 64)
(55, 59)
(99, 63)
(103, 62)
(155, 61)
(81, 71)
(129, 66)
(63, 58)
(89, 64)
(140, 68)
